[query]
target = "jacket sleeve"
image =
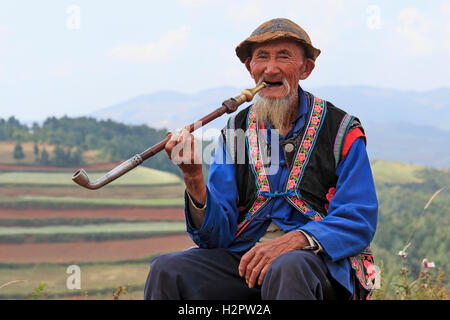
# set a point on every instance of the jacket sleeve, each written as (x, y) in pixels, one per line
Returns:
(221, 214)
(352, 216)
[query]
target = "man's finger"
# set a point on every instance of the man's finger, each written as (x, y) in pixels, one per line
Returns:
(256, 271)
(246, 258)
(263, 272)
(251, 266)
(169, 147)
(184, 136)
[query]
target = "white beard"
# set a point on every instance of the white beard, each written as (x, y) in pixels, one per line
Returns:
(275, 110)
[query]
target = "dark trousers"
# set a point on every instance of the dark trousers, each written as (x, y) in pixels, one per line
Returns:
(212, 274)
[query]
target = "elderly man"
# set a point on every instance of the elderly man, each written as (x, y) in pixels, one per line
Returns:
(295, 224)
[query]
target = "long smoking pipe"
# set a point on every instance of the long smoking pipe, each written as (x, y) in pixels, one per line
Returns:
(81, 178)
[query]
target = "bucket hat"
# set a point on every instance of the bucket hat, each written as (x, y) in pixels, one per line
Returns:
(278, 28)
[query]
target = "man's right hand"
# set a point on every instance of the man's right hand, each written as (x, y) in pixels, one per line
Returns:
(182, 150)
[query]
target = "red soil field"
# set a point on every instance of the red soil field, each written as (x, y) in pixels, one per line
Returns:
(172, 214)
(76, 252)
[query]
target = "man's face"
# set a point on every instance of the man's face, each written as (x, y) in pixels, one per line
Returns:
(272, 61)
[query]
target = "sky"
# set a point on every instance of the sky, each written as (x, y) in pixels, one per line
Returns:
(75, 57)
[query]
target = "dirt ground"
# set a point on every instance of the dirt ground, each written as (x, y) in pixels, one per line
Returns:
(76, 252)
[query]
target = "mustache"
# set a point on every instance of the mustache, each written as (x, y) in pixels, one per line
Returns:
(286, 84)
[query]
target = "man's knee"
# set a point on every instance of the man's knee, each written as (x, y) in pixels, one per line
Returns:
(294, 262)
(166, 265)
(162, 278)
(293, 275)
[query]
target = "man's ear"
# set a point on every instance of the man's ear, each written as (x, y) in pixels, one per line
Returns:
(247, 64)
(307, 68)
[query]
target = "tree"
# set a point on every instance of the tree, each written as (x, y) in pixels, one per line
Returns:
(59, 157)
(18, 152)
(36, 150)
(44, 158)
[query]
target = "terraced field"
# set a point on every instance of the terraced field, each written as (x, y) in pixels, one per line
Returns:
(48, 223)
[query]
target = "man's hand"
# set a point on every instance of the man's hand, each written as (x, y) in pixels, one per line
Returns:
(182, 150)
(255, 263)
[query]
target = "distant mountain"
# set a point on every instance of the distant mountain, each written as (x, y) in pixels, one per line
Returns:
(409, 143)
(430, 108)
(407, 126)
(168, 109)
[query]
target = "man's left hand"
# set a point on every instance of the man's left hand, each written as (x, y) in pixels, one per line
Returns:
(255, 263)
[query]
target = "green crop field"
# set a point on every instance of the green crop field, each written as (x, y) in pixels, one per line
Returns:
(40, 201)
(89, 232)
(140, 176)
(120, 227)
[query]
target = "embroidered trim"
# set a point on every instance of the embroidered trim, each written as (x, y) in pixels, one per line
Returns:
(303, 153)
(362, 264)
(257, 165)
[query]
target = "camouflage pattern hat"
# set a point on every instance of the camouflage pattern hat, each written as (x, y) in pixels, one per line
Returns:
(277, 29)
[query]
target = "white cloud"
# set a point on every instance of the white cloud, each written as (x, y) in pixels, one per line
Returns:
(153, 51)
(415, 28)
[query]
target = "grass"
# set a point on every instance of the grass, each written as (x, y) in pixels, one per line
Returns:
(120, 227)
(140, 176)
(99, 280)
(394, 172)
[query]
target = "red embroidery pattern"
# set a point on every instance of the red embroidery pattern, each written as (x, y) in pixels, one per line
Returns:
(301, 159)
(258, 166)
(329, 196)
(362, 264)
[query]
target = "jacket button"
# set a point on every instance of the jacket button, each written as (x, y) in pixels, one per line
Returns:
(289, 147)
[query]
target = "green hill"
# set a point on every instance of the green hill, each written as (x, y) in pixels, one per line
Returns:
(395, 172)
(403, 191)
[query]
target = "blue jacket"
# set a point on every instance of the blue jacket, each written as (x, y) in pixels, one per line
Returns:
(348, 228)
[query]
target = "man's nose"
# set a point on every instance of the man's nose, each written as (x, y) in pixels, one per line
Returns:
(271, 67)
